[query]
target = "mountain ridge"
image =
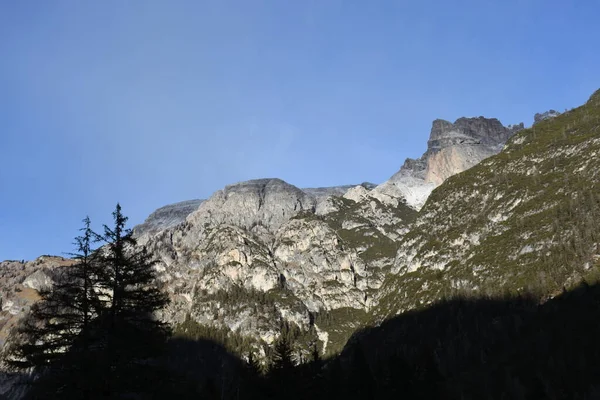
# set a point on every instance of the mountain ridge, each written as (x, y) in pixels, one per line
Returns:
(329, 261)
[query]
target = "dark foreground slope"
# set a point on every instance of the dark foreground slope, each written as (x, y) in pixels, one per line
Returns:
(494, 348)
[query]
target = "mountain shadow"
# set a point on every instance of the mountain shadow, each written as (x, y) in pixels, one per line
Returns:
(464, 348)
(507, 348)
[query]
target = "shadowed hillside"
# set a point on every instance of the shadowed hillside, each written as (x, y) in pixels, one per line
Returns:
(495, 348)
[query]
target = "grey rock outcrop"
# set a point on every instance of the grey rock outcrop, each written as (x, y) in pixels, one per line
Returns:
(267, 237)
(166, 217)
(264, 203)
(451, 149)
(539, 117)
(39, 280)
(324, 192)
(20, 282)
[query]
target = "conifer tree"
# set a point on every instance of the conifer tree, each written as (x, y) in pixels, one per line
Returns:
(253, 365)
(282, 355)
(315, 354)
(281, 372)
(133, 337)
(94, 333)
(54, 337)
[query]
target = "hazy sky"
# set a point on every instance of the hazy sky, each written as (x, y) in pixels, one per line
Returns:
(149, 103)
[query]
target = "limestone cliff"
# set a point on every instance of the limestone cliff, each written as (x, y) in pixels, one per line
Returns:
(451, 149)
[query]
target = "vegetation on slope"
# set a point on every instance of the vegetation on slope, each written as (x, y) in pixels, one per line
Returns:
(523, 220)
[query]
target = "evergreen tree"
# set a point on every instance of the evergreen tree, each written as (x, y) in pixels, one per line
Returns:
(282, 359)
(54, 337)
(315, 354)
(94, 334)
(253, 365)
(133, 337)
(281, 373)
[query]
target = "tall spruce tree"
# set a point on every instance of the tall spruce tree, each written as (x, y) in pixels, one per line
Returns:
(53, 338)
(280, 376)
(133, 337)
(283, 355)
(94, 333)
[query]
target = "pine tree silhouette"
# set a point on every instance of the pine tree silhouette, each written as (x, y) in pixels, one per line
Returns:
(132, 336)
(253, 365)
(54, 338)
(283, 354)
(94, 333)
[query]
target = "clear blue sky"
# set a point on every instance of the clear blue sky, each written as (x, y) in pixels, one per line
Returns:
(153, 102)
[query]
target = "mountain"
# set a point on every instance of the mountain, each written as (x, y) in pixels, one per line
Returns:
(487, 209)
(166, 217)
(451, 148)
(263, 253)
(524, 220)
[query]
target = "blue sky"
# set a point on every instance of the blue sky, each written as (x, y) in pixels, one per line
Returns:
(153, 102)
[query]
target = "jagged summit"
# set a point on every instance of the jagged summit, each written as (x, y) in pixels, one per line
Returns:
(451, 149)
(322, 192)
(167, 217)
(265, 190)
(533, 228)
(539, 117)
(260, 184)
(260, 202)
(479, 130)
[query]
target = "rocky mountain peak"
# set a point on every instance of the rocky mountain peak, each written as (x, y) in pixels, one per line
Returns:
(260, 185)
(166, 217)
(439, 127)
(266, 202)
(451, 149)
(539, 117)
(478, 130)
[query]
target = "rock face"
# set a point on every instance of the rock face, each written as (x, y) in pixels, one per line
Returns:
(262, 204)
(268, 238)
(322, 194)
(166, 217)
(451, 149)
(19, 285)
(539, 117)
